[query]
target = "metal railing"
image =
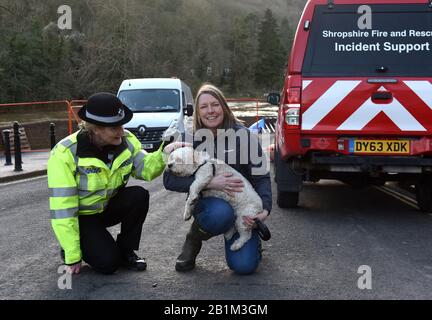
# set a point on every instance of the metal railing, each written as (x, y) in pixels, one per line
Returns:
(25, 116)
(248, 100)
(73, 107)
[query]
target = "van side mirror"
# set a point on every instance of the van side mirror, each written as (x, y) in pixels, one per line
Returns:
(189, 110)
(273, 98)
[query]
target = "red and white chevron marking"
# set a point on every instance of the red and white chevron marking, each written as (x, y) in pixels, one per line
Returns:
(346, 105)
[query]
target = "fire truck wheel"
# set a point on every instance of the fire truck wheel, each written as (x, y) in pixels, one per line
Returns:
(423, 190)
(287, 199)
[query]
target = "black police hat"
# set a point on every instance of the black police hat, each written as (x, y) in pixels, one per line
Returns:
(105, 109)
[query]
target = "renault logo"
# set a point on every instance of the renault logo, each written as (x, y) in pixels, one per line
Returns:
(141, 130)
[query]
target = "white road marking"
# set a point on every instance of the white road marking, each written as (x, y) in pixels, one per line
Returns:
(395, 194)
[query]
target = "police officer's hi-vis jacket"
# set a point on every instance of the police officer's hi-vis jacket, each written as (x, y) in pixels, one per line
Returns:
(84, 185)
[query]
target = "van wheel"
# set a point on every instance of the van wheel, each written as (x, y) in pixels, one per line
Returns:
(423, 190)
(287, 199)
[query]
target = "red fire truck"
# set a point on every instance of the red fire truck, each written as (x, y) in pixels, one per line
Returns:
(356, 104)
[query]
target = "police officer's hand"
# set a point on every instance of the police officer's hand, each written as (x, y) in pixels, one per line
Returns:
(226, 183)
(74, 268)
(178, 144)
(249, 221)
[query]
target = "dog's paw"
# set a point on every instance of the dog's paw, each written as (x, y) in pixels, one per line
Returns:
(230, 233)
(193, 201)
(236, 245)
(187, 214)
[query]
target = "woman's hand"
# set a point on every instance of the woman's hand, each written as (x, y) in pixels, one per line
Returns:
(249, 221)
(226, 183)
(175, 145)
(74, 268)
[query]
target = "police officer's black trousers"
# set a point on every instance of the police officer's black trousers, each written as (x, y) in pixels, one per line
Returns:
(128, 207)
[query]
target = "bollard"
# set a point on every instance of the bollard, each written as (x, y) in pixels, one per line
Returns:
(6, 136)
(17, 144)
(52, 135)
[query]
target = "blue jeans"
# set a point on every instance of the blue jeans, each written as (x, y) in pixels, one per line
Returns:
(216, 216)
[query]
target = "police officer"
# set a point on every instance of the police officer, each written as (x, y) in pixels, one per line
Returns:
(87, 176)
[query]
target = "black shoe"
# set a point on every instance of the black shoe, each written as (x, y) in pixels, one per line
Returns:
(62, 255)
(131, 260)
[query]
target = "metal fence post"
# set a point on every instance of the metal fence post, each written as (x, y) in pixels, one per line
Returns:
(6, 137)
(52, 135)
(17, 147)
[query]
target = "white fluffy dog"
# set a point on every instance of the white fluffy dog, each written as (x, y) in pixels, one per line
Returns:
(186, 161)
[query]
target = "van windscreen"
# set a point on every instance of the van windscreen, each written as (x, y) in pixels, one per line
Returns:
(151, 100)
(398, 44)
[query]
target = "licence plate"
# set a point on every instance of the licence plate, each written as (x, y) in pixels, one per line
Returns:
(380, 146)
(147, 145)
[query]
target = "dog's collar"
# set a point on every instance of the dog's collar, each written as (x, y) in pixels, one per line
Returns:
(205, 162)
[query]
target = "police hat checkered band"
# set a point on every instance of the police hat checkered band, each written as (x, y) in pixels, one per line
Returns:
(117, 118)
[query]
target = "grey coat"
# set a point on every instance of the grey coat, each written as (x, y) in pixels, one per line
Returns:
(243, 163)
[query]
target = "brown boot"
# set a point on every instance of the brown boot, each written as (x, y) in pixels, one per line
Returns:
(191, 248)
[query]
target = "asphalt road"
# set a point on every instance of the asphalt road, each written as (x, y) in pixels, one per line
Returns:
(315, 251)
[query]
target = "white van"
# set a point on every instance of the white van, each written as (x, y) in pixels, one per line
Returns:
(156, 103)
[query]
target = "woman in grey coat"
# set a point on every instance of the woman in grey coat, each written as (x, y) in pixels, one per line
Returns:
(226, 139)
